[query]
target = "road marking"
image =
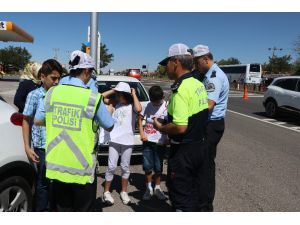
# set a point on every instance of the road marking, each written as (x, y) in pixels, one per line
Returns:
(297, 129)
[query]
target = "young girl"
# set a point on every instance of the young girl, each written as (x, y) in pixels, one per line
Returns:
(124, 109)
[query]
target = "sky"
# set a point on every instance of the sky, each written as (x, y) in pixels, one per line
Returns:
(138, 39)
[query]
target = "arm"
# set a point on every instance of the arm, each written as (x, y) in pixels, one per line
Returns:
(169, 128)
(211, 105)
(136, 103)
(39, 118)
(106, 95)
(104, 118)
(26, 139)
(141, 129)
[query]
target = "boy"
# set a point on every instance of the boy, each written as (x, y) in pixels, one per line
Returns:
(153, 142)
(49, 74)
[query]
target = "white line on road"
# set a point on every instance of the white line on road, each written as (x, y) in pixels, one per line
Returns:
(265, 121)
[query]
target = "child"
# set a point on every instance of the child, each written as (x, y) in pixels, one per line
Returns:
(153, 142)
(124, 109)
(50, 73)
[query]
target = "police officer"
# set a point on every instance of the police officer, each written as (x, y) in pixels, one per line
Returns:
(73, 114)
(187, 115)
(217, 87)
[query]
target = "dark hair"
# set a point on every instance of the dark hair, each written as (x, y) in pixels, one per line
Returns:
(128, 97)
(156, 93)
(49, 66)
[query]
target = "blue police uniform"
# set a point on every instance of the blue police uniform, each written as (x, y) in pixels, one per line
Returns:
(217, 87)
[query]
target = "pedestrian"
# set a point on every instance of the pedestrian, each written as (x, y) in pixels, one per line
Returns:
(29, 81)
(124, 108)
(50, 73)
(187, 118)
(154, 142)
(73, 113)
(217, 87)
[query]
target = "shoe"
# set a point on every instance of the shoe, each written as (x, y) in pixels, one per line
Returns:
(125, 198)
(159, 194)
(148, 194)
(107, 198)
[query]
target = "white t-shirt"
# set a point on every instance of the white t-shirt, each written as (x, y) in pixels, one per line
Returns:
(159, 112)
(124, 124)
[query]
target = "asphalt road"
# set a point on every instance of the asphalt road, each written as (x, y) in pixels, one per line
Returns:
(258, 159)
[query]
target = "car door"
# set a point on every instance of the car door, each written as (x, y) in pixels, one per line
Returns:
(289, 96)
(297, 95)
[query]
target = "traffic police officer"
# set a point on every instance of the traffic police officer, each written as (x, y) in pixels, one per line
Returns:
(73, 113)
(187, 115)
(217, 87)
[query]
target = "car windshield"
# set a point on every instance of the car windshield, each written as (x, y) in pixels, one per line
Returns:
(140, 91)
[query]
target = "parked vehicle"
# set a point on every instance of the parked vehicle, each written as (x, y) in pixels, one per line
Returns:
(282, 95)
(135, 73)
(105, 83)
(243, 73)
(16, 173)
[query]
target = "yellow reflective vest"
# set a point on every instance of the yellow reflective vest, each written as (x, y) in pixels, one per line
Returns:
(71, 134)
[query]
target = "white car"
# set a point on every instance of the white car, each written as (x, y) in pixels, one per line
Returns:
(282, 95)
(16, 173)
(105, 83)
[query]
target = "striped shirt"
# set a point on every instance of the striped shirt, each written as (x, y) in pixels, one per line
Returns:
(38, 133)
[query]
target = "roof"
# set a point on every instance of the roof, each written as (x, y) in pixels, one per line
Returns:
(11, 32)
(287, 77)
(116, 78)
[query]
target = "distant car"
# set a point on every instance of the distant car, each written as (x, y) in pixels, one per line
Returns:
(135, 73)
(16, 173)
(105, 83)
(282, 95)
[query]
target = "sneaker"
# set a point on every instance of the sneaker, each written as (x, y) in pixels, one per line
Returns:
(159, 194)
(125, 198)
(107, 198)
(148, 194)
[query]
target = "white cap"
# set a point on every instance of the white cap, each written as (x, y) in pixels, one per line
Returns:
(175, 50)
(81, 60)
(123, 87)
(200, 50)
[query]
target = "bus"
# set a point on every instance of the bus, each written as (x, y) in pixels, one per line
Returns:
(243, 73)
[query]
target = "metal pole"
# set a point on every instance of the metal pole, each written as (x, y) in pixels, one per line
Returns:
(99, 53)
(94, 31)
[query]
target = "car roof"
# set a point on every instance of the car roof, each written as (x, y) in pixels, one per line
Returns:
(287, 77)
(116, 78)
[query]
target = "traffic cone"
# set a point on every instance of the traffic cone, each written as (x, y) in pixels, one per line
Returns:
(245, 97)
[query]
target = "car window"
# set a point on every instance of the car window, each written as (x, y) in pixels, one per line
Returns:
(298, 86)
(140, 92)
(288, 84)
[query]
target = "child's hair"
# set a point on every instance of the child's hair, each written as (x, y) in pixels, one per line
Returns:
(49, 66)
(156, 93)
(128, 97)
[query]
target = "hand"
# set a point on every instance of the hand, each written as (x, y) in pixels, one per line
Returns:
(133, 91)
(156, 124)
(32, 155)
(144, 138)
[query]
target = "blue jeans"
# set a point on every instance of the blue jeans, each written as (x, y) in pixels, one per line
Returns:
(153, 156)
(42, 183)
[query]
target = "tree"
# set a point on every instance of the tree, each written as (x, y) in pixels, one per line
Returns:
(105, 56)
(161, 70)
(297, 45)
(296, 67)
(279, 65)
(14, 58)
(229, 61)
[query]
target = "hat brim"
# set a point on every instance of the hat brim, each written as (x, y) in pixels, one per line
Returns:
(164, 62)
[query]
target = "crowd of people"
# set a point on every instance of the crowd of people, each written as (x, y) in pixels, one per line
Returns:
(62, 117)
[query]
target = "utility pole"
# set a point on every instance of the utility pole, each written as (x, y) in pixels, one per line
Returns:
(56, 50)
(94, 32)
